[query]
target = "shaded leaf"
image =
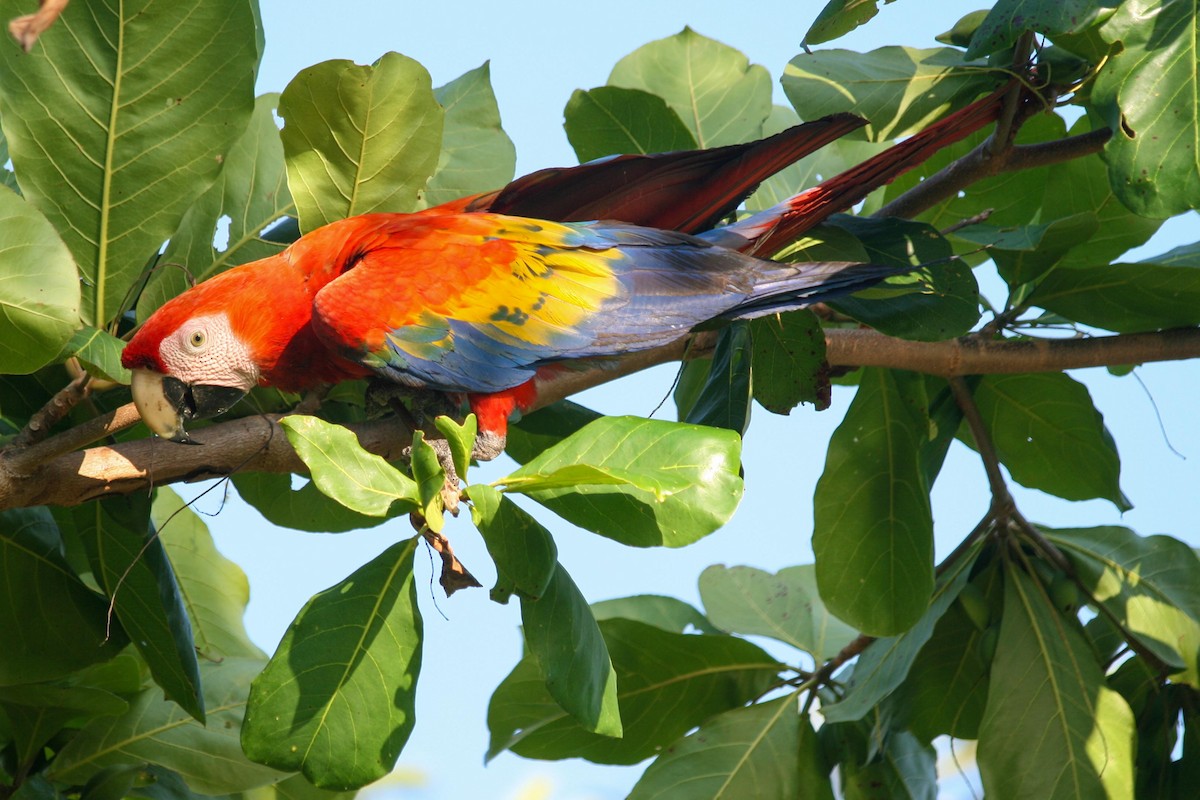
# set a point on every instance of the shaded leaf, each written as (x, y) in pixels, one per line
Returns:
(1050, 437)
(1150, 584)
(130, 564)
(477, 154)
(115, 149)
(208, 757)
(1124, 297)
(303, 509)
(783, 606)
(660, 457)
(336, 700)
(251, 193)
(53, 623)
(609, 120)
(343, 470)
(39, 296)
(667, 683)
(359, 139)
(1008, 19)
(524, 552)
(789, 364)
(100, 353)
(668, 613)
(545, 427)
(1046, 687)
(839, 17)
(718, 94)
(872, 523)
(723, 401)
(764, 750)
(565, 641)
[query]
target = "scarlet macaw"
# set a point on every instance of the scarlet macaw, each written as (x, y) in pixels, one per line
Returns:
(477, 304)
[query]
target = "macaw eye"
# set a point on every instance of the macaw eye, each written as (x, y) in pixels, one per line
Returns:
(197, 338)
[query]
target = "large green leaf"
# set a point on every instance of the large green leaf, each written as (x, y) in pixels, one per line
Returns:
(1008, 19)
(680, 482)
(100, 352)
(209, 757)
(336, 701)
(477, 155)
(783, 606)
(668, 613)
(130, 564)
(1026, 253)
(214, 589)
(764, 750)
(1124, 297)
(359, 139)
(721, 97)
(1050, 436)
(53, 624)
(667, 683)
(562, 636)
(938, 300)
(1152, 87)
(36, 713)
(303, 509)
(900, 90)
(343, 470)
(525, 555)
(533, 433)
(113, 134)
(872, 523)
(887, 661)
(609, 120)
(39, 296)
(723, 399)
(1151, 585)
(839, 17)
(251, 193)
(1052, 729)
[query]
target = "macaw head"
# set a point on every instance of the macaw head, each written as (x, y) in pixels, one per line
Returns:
(200, 353)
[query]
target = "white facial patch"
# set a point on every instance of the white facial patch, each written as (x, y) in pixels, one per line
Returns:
(205, 350)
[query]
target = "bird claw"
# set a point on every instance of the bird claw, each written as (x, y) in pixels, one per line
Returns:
(488, 445)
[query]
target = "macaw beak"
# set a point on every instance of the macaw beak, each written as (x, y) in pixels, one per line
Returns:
(165, 402)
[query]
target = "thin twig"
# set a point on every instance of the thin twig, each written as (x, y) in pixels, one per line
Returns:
(1001, 498)
(53, 412)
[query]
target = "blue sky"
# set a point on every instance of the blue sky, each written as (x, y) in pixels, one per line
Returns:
(539, 53)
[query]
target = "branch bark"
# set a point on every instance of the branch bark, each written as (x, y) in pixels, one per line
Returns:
(55, 472)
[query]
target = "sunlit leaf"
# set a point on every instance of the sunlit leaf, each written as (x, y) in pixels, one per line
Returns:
(839, 17)
(609, 120)
(304, 509)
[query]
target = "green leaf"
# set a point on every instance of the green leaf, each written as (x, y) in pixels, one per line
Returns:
(886, 662)
(724, 399)
(461, 439)
(1152, 83)
(668, 613)
(1008, 19)
(303, 509)
(114, 149)
(524, 552)
(662, 456)
(430, 478)
(36, 713)
(667, 683)
(960, 35)
(251, 192)
(477, 155)
(1050, 437)
(934, 302)
(1028, 252)
(1124, 297)
(764, 750)
(838, 18)
(208, 757)
(214, 589)
(100, 352)
(545, 427)
(359, 139)
(39, 296)
(872, 524)
(336, 701)
(609, 120)
(53, 623)
(900, 767)
(343, 470)
(900, 90)
(1046, 687)
(1151, 585)
(721, 97)
(784, 606)
(788, 358)
(565, 641)
(131, 565)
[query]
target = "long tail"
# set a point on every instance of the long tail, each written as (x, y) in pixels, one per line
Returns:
(688, 191)
(770, 230)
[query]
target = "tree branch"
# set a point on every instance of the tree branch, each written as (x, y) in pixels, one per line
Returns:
(55, 472)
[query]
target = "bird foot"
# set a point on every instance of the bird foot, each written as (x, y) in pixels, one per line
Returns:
(489, 445)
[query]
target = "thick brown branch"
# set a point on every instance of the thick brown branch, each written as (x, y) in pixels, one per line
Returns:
(48, 474)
